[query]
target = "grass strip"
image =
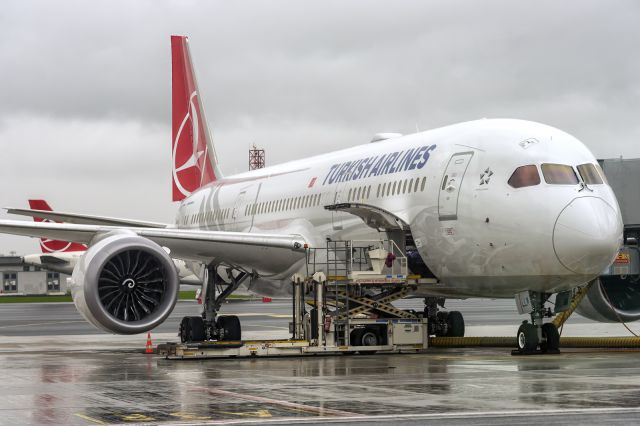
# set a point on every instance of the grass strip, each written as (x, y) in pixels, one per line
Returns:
(183, 295)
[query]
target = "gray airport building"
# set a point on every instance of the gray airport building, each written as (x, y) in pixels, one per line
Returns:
(21, 279)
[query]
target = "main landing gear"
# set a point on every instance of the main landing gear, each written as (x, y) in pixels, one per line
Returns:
(210, 326)
(536, 337)
(442, 323)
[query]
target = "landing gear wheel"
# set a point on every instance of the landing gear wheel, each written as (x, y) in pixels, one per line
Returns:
(229, 327)
(438, 325)
(527, 338)
(184, 330)
(455, 324)
(550, 332)
(192, 329)
(442, 316)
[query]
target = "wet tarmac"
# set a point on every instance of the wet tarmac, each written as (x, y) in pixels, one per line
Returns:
(80, 378)
(443, 386)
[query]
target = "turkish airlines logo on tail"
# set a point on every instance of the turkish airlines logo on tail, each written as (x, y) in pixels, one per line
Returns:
(48, 245)
(191, 165)
(55, 246)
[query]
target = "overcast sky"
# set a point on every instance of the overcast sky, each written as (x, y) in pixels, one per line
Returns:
(85, 101)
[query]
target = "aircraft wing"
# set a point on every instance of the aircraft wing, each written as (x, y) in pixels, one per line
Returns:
(269, 252)
(84, 219)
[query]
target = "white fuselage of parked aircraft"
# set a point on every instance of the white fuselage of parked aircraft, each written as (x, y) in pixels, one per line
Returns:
(479, 235)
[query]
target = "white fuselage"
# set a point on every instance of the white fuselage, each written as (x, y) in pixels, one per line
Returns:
(479, 235)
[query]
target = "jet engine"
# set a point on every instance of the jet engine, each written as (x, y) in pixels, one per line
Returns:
(125, 284)
(612, 298)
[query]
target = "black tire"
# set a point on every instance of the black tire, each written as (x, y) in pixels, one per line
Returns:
(550, 332)
(230, 327)
(355, 337)
(313, 316)
(185, 329)
(527, 337)
(370, 337)
(455, 324)
(196, 329)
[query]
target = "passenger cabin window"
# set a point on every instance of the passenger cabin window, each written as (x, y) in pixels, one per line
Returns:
(524, 176)
(559, 174)
(589, 174)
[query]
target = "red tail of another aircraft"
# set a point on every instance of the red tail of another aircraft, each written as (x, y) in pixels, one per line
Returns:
(194, 159)
(53, 246)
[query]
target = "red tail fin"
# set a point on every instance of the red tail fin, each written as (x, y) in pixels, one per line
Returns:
(52, 246)
(194, 159)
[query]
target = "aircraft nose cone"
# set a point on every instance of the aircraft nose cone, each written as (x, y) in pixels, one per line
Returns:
(587, 235)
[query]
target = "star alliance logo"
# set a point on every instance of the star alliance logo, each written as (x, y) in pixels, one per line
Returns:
(485, 177)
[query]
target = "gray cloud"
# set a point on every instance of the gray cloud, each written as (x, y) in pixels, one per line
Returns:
(85, 105)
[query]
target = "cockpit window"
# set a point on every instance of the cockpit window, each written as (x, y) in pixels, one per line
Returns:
(602, 175)
(559, 174)
(589, 174)
(524, 176)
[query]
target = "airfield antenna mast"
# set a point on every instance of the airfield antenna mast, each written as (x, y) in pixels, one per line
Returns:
(256, 158)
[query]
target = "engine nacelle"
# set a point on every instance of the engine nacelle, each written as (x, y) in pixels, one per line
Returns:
(125, 284)
(612, 298)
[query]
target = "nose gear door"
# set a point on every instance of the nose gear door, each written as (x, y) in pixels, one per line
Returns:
(450, 186)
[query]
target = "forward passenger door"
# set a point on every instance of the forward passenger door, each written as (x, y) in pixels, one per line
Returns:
(450, 186)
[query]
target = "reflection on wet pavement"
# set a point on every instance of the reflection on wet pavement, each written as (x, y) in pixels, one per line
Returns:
(116, 387)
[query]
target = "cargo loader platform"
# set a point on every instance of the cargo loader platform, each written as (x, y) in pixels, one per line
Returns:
(351, 309)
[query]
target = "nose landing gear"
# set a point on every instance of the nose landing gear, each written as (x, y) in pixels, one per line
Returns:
(536, 337)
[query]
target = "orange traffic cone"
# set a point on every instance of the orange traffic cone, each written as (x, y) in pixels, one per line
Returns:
(149, 348)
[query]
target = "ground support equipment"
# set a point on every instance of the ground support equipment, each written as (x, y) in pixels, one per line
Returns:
(351, 309)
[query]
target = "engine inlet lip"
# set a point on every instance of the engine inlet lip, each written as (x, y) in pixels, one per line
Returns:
(106, 250)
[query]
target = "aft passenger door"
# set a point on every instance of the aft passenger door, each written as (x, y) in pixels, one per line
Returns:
(235, 213)
(242, 214)
(450, 185)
